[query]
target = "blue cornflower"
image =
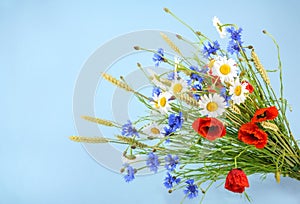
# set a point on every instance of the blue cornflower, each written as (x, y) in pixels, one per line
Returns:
(130, 173)
(236, 42)
(153, 162)
(175, 121)
(234, 46)
(196, 87)
(210, 49)
(195, 68)
(224, 95)
(191, 190)
(158, 57)
(169, 180)
(129, 130)
(171, 75)
(235, 34)
(196, 97)
(156, 91)
(168, 131)
(194, 77)
(171, 162)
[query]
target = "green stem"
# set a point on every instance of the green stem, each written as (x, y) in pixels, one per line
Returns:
(279, 66)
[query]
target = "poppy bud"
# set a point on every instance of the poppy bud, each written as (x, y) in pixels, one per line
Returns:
(236, 181)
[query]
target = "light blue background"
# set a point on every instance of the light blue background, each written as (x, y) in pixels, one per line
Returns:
(43, 45)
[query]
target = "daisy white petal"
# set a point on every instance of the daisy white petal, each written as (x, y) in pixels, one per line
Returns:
(162, 103)
(238, 91)
(179, 86)
(224, 68)
(153, 130)
(212, 105)
(218, 24)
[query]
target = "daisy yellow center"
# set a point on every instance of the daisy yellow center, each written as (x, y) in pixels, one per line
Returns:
(238, 90)
(155, 130)
(177, 88)
(163, 101)
(225, 69)
(212, 106)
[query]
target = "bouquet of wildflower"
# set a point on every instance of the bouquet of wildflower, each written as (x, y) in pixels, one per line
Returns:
(212, 117)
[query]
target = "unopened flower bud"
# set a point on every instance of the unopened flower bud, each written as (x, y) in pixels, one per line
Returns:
(136, 47)
(198, 33)
(179, 36)
(166, 10)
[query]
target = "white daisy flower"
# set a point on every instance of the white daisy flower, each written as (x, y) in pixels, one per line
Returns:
(225, 68)
(238, 91)
(153, 130)
(179, 86)
(212, 105)
(218, 24)
(161, 102)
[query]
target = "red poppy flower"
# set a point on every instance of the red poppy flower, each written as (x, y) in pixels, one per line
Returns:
(263, 114)
(236, 181)
(209, 128)
(249, 87)
(250, 134)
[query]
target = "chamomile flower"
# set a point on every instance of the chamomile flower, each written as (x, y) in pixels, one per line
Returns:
(212, 105)
(179, 86)
(161, 102)
(224, 68)
(238, 90)
(218, 26)
(153, 130)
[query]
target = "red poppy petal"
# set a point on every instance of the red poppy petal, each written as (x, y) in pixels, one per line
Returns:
(209, 128)
(250, 133)
(264, 114)
(236, 181)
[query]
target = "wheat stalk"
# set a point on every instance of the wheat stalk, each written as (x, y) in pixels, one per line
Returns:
(132, 141)
(98, 120)
(170, 43)
(270, 126)
(235, 109)
(186, 98)
(88, 139)
(260, 68)
(116, 82)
